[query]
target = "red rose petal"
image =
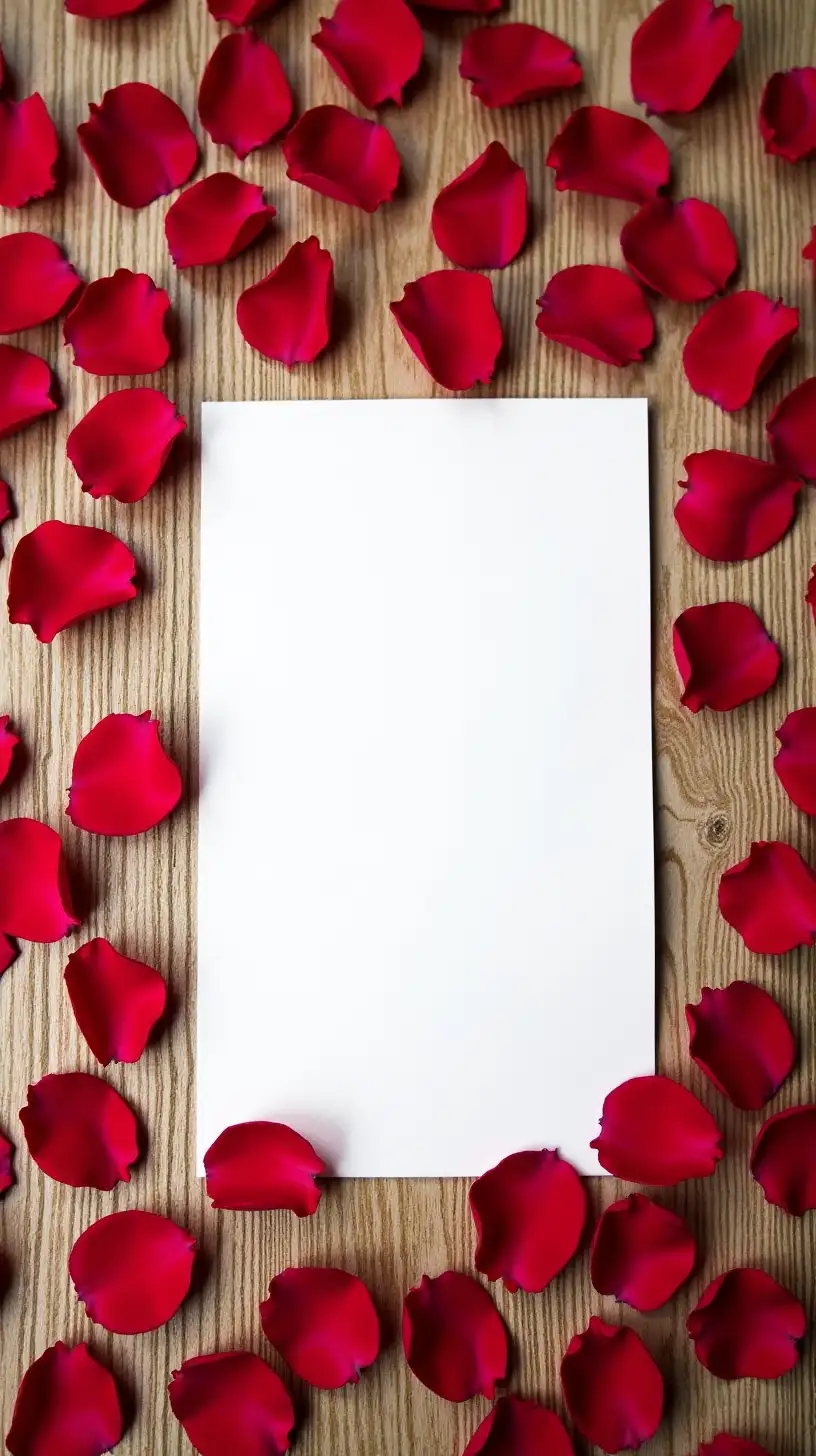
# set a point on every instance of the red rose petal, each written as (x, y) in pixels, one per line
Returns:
(123, 781)
(734, 507)
(679, 51)
(121, 445)
(787, 114)
(8, 743)
(612, 1387)
(684, 250)
(599, 311)
(240, 12)
(810, 594)
(117, 1001)
(795, 763)
(343, 156)
(374, 49)
(79, 1131)
(215, 219)
(809, 250)
(735, 344)
(470, 7)
(67, 1403)
(770, 899)
(724, 655)
(747, 1325)
(740, 1038)
(35, 897)
(36, 281)
(9, 951)
(449, 321)
(6, 508)
(27, 388)
(232, 1402)
(60, 574)
(609, 154)
(139, 143)
(480, 219)
(6, 1158)
(725, 1445)
(454, 1338)
(117, 327)
(655, 1131)
(512, 63)
(518, 1427)
(783, 1159)
(529, 1213)
(104, 9)
(132, 1270)
(29, 150)
(287, 316)
(792, 430)
(324, 1325)
(641, 1252)
(245, 98)
(263, 1165)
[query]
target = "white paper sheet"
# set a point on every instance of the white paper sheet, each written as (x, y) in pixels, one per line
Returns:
(426, 864)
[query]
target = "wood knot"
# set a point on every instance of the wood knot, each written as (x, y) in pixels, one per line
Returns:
(717, 829)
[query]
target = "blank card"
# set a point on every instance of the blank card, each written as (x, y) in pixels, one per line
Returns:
(426, 863)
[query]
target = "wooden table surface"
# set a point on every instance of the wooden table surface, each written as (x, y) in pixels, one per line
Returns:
(715, 786)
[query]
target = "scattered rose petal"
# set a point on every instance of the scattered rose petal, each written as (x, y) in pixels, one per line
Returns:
(123, 781)
(480, 219)
(684, 250)
(139, 143)
(809, 250)
(27, 389)
(132, 1270)
(449, 322)
(29, 150)
(6, 1159)
(787, 114)
(9, 951)
(655, 1131)
(740, 1038)
(232, 1402)
(792, 430)
(263, 1165)
(529, 1213)
(374, 49)
(512, 63)
(746, 1325)
(641, 1252)
(6, 508)
(79, 1131)
(121, 445)
(725, 1445)
(795, 763)
(60, 574)
(36, 281)
(8, 743)
(516, 1427)
(342, 156)
(245, 98)
(67, 1403)
(454, 1338)
(104, 9)
(287, 316)
(734, 507)
(679, 51)
(770, 899)
(117, 1001)
(240, 12)
(117, 327)
(612, 1387)
(735, 344)
(609, 154)
(215, 219)
(599, 311)
(724, 655)
(324, 1325)
(471, 7)
(35, 897)
(810, 594)
(783, 1159)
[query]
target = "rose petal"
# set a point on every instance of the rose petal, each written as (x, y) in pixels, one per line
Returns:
(792, 430)
(529, 1213)
(518, 1427)
(118, 325)
(8, 743)
(725, 1445)
(263, 1165)
(104, 9)
(783, 1159)
(35, 897)
(609, 154)
(79, 1131)
(795, 763)
(121, 445)
(724, 655)
(232, 1402)
(117, 1001)
(679, 51)
(343, 156)
(480, 219)
(214, 220)
(598, 311)
(244, 99)
(612, 1387)
(6, 508)
(734, 507)
(287, 316)
(67, 1403)
(471, 7)
(449, 322)
(745, 1324)
(132, 1270)
(770, 899)
(374, 49)
(809, 250)
(324, 1325)
(139, 143)
(27, 389)
(60, 574)
(787, 114)
(29, 150)
(512, 63)
(240, 12)
(9, 951)
(6, 1159)
(454, 1338)
(123, 781)
(36, 281)
(684, 250)
(641, 1252)
(740, 1038)
(655, 1131)
(810, 594)
(735, 344)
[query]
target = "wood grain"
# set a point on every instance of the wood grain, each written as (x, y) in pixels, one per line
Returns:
(715, 785)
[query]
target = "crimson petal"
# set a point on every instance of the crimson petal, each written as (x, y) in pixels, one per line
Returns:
(287, 316)
(35, 897)
(29, 150)
(215, 219)
(512, 63)
(454, 1338)
(60, 574)
(244, 99)
(27, 389)
(612, 1387)
(470, 7)
(232, 1402)
(734, 507)
(809, 250)
(787, 114)
(770, 899)
(529, 1213)
(263, 1165)
(118, 325)
(724, 655)
(641, 1252)
(599, 311)
(684, 250)
(121, 446)
(104, 9)
(36, 281)
(679, 51)
(79, 1131)
(518, 1427)
(343, 156)
(123, 781)
(139, 143)
(783, 1159)
(653, 1130)
(810, 594)
(609, 154)
(324, 1325)
(450, 323)
(735, 344)
(117, 1001)
(240, 12)
(132, 1270)
(67, 1403)
(725, 1445)
(795, 763)
(792, 430)
(480, 219)
(740, 1038)
(8, 743)
(6, 1159)
(6, 508)
(374, 49)
(9, 951)
(745, 1324)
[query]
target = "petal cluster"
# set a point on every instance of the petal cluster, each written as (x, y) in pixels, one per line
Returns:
(770, 899)
(735, 344)
(35, 897)
(36, 281)
(599, 311)
(118, 325)
(792, 430)
(67, 1402)
(516, 1427)
(132, 1270)
(123, 781)
(139, 143)
(609, 154)
(262, 1165)
(343, 156)
(60, 574)
(27, 389)
(724, 655)
(787, 114)
(641, 1252)
(79, 1131)
(245, 99)
(233, 1402)
(117, 1001)
(654, 1131)
(480, 219)
(529, 1213)
(734, 507)
(679, 51)
(453, 1336)
(508, 64)
(612, 1387)
(740, 1038)
(745, 1324)
(374, 49)
(323, 1323)
(684, 250)
(121, 446)
(287, 316)
(783, 1159)
(215, 219)
(450, 323)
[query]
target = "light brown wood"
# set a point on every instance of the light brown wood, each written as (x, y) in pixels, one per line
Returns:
(715, 785)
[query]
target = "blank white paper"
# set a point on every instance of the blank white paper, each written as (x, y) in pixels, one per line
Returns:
(426, 859)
